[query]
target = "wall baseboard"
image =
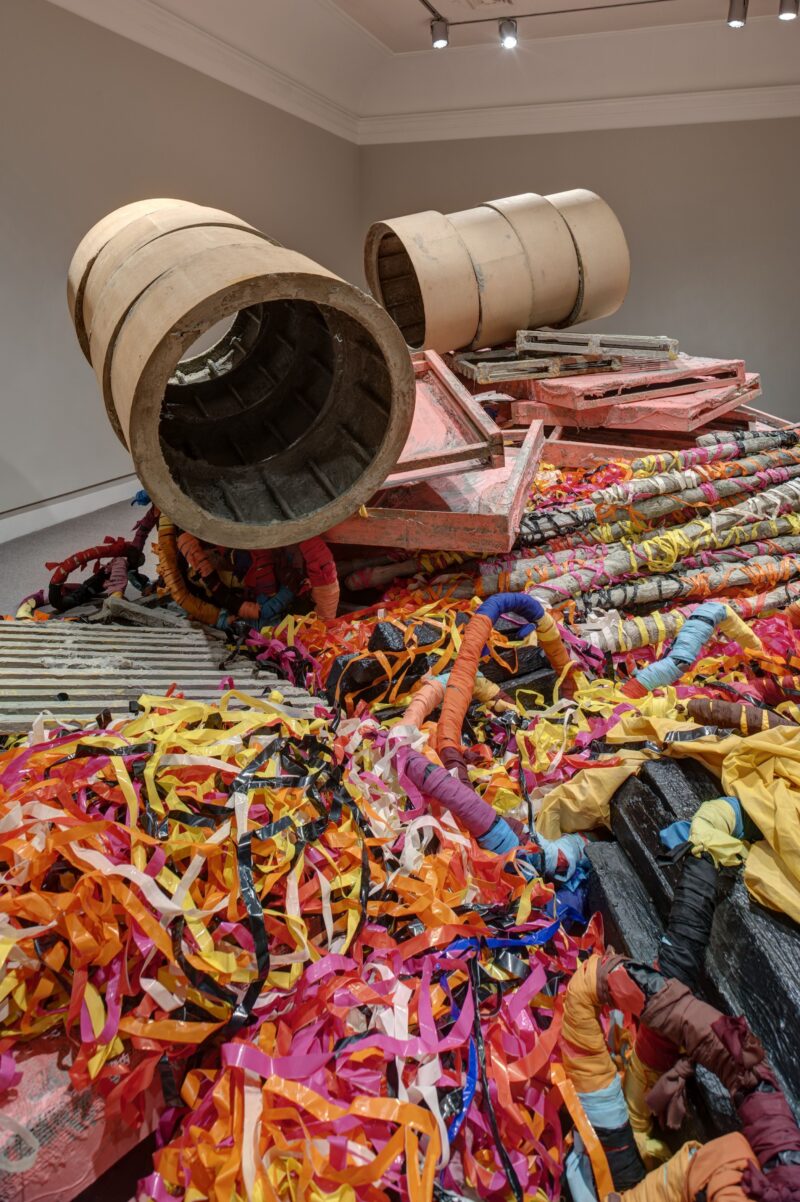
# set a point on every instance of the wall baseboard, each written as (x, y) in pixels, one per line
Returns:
(16, 523)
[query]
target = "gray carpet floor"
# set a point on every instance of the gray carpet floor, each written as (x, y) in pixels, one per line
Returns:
(22, 560)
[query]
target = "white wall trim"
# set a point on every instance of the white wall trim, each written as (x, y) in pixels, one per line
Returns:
(629, 112)
(145, 22)
(16, 523)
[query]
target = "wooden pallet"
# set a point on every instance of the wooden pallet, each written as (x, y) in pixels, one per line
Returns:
(449, 427)
(680, 413)
(466, 511)
(73, 671)
(685, 375)
(568, 342)
(499, 366)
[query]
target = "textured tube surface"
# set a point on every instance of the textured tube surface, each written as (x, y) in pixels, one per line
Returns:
(550, 252)
(603, 256)
(89, 248)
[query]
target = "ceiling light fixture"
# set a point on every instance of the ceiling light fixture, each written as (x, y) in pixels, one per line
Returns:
(440, 34)
(789, 10)
(508, 33)
(737, 14)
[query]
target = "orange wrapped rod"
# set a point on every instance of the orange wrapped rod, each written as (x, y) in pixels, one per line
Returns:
(461, 684)
(458, 694)
(667, 1183)
(201, 611)
(196, 555)
(713, 1170)
(587, 1059)
(427, 697)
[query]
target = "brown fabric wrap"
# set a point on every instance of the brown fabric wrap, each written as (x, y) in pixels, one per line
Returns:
(687, 1022)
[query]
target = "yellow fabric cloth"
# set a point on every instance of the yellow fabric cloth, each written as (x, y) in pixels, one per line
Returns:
(761, 770)
(712, 830)
(583, 803)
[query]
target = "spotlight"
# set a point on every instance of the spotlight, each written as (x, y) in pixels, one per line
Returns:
(789, 10)
(440, 34)
(737, 13)
(508, 33)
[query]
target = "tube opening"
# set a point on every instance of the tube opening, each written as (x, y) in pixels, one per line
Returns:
(280, 417)
(399, 287)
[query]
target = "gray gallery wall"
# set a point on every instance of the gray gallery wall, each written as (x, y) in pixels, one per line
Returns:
(711, 212)
(91, 121)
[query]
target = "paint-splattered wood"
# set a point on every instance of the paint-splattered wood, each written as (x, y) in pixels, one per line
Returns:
(449, 428)
(682, 413)
(684, 374)
(466, 511)
(73, 670)
(77, 1142)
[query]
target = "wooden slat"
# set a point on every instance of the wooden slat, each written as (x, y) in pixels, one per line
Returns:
(93, 668)
(638, 346)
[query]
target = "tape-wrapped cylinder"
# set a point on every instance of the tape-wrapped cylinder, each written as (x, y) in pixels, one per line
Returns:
(473, 278)
(550, 253)
(603, 256)
(500, 267)
(421, 272)
(285, 426)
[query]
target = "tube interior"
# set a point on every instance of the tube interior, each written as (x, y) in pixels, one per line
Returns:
(280, 417)
(400, 291)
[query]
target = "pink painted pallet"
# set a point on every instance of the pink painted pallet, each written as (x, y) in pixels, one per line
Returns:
(449, 427)
(683, 375)
(467, 511)
(77, 1142)
(686, 412)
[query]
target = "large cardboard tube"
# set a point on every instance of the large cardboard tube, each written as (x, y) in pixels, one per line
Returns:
(535, 260)
(505, 292)
(282, 428)
(89, 248)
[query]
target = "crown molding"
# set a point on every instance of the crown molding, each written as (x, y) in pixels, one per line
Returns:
(629, 112)
(147, 23)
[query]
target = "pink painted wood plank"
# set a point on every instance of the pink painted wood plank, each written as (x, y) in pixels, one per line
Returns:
(685, 412)
(685, 374)
(78, 1142)
(449, 426)
(466, 511)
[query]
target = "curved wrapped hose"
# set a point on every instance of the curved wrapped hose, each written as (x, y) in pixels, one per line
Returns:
(322, 577)
(696, 631)
(429, 695)
(460, 684)
(111, 550)
(588, 1065)
(712, 1171)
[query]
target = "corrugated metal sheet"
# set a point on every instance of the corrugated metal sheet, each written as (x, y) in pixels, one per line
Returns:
(75, 671)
